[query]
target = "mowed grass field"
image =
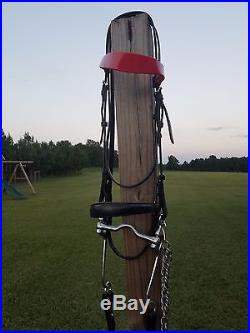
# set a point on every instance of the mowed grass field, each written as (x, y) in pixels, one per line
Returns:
(51, 254)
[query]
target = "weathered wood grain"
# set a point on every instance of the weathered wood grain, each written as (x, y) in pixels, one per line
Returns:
(134, 112)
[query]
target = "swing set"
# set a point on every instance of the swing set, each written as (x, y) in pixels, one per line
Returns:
(15, 170)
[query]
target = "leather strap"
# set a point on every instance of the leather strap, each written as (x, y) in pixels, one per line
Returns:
(134, 63)
(112, 209)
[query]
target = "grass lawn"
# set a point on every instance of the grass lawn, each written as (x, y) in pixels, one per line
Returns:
(51, 254)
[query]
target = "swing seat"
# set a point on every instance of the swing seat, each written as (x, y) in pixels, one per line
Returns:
(114, 209)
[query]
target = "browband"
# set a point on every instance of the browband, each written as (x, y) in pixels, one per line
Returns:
(134, 63)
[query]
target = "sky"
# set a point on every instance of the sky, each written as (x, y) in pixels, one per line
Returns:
(52, 80)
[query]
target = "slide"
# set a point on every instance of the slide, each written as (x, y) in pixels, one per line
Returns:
(12, 191)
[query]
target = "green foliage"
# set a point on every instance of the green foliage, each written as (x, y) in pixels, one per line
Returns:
(7, 146)
(52, 254)
(63, 157)
(228, 164)
(94, 152)
(53, 158)
(173, 163)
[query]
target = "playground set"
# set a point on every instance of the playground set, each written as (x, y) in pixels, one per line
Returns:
(15, 170)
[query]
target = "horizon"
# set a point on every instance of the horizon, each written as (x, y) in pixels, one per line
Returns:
(52, 81)
(164, 162)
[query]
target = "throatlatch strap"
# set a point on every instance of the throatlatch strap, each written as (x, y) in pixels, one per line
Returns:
(134, 63)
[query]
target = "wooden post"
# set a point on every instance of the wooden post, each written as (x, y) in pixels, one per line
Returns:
(27, 178)
(13, 175)
(134, 111)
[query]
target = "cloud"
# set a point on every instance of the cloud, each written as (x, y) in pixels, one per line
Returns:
(219, 128)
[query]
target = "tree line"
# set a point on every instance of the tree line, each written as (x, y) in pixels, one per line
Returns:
(63, 157)
(212, 163)
(52, 158)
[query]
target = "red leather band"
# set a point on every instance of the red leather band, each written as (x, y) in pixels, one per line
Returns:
(134, 63)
